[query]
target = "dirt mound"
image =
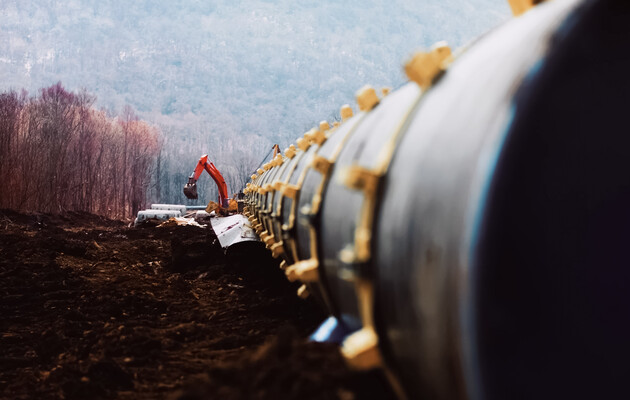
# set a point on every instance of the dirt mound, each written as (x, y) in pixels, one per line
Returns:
(94, 309)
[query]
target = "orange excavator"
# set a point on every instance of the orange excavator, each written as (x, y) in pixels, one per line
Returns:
(190, 189)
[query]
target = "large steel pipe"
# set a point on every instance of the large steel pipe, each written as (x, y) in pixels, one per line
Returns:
(469, 229)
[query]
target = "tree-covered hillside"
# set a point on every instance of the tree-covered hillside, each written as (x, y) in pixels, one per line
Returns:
(227, 78)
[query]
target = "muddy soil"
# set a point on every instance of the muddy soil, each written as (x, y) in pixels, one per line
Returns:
(91, 308)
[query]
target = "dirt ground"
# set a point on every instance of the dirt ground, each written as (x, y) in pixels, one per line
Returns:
(91, 308)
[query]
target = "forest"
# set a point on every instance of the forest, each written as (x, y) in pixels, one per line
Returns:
(227, 79)
(58, 153)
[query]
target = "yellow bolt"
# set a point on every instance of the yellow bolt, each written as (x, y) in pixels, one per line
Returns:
(278, 160)
(522, 6)
(290, 191)
(386, 91)
(367, 98)
(259, 171)
(361, 350)
(269, 240)
(303, 292)
(276, 249)
(290, 151)
(310, 135)
(303, 144)
(441, 50)
(291, 273)
(319, 136)
(321, 164)
(346, 112)
(307, 270)
(424, 67)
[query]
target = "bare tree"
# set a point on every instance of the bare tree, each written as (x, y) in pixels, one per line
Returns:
(58, 153)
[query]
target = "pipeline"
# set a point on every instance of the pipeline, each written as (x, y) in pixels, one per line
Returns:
(469, 230)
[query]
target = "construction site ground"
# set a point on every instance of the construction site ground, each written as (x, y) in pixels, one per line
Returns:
(91, 308)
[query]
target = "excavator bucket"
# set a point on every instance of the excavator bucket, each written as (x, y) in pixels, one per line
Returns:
(190, 189)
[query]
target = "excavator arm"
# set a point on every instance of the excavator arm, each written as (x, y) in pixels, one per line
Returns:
(190, 190)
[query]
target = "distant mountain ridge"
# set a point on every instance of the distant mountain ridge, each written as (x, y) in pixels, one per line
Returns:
(251, 72)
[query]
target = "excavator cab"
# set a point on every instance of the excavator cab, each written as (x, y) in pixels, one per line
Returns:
(190, 189)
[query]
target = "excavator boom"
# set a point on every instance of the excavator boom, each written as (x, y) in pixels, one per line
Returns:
(190, 190)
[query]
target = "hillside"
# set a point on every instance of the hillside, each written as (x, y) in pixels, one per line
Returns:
(226, 78)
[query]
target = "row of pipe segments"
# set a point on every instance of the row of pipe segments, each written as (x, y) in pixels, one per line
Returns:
(389, 218)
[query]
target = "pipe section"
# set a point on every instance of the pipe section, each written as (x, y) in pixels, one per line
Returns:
(469, 230)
